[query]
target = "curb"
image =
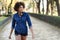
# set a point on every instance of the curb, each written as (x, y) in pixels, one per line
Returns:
(5, 22)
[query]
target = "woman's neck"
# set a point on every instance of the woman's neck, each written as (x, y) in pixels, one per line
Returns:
(20, 13)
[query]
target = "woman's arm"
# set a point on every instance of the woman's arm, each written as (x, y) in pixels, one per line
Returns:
(31, 29)
(10, 33)
(13, 26)
(30, 25)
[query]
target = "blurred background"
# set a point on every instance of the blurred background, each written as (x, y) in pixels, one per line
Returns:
(45, 7)
(45, 16)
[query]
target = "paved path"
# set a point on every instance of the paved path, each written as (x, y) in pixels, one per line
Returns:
(42, 30)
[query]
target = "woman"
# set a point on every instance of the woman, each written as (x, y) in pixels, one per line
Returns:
(19, 22)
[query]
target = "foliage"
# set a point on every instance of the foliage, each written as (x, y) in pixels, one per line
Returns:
(55, 20)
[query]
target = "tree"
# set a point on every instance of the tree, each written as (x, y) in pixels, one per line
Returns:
(43, 6)
(38, 5)
(52, 5)
(58, 6)
(9, 8)
(47, 10)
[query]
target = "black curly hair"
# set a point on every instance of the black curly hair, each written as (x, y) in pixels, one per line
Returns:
(18, 4)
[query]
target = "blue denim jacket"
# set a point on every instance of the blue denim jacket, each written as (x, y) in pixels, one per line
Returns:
(20, 23)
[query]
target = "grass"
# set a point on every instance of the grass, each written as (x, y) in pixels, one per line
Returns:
(2, 18)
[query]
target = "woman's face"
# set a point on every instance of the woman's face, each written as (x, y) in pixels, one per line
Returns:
(20, 9)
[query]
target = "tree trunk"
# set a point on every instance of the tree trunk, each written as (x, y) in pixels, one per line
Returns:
(9, 8)
(58, 7)
(33, 6)
(52, 5)
(43, 6)
(38, 7)
(47, 10)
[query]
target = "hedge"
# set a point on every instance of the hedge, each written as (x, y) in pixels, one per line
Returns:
(54, 20)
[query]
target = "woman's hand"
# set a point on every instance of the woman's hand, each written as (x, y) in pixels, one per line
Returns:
(10, 33)
(32, 36)
(10, 37)
(32, 32)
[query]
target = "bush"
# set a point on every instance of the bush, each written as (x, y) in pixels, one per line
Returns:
(6, 15)
(54, 20)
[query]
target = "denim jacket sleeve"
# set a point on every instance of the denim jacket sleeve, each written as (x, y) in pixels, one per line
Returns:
(29, 21)
(13, 22)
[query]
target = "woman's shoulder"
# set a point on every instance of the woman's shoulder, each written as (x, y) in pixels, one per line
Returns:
(14, 14)
(26, 13)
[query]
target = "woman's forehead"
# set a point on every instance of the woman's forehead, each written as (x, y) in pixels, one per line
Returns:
(21, 6)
